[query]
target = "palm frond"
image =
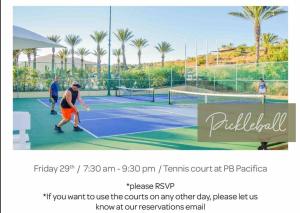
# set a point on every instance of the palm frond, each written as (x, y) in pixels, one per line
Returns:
(164, 47)
(238, 14)
(54, 38)
(117, 52)
(100, 52)
(139, 43)
(98, 36)
(72, 40)
(273, 13)
(124, 35)
(83, 52)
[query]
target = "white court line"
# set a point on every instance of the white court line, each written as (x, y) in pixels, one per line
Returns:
(145, 115)
(129, 116)
(131, 133)
(169, 112)
(112, 101)
(39, 100)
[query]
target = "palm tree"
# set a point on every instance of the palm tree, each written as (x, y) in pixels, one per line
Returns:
(98, 37)
(241, 48)
(267, 40)
(73, 40)
(163, 47)
(82, 52)
(55, 39)
(61, 54)
(99, 53)
(28, 52)
(117, 53)
(124, 35)
(257, 14)
(139, 44)
(16, 55)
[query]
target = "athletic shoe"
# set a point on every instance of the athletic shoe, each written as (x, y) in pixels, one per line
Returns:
(53, 112)
(263, 146)
(58, 129)
(77, 129)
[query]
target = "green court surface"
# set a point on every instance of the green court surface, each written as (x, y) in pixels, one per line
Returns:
(43, 137)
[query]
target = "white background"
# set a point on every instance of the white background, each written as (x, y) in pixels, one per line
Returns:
(22, 190)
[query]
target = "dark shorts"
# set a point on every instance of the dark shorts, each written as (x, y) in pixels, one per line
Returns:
(55, 98)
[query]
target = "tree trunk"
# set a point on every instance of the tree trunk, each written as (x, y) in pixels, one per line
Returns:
(34, 59)
(257, 40)
(52, 67)
(81, 65)
(139, 56)
(98, 62)
(118, 62)
(29, 60)
(61, 64)
(73, 62)
(98, 67)
(124, 58)
(266, 49)
(17, 61)
(66, 64)
(163, 60)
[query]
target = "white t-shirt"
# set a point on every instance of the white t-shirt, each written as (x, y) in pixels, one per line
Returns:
(262, 87)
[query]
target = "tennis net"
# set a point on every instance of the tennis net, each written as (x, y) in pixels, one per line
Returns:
(186, 97)
(142, 94)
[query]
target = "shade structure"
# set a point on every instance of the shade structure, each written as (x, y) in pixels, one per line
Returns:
(24, 38)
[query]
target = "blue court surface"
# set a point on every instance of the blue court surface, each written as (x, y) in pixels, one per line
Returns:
(105, 119)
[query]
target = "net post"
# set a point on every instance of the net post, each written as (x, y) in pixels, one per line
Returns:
(153, 96)
(205, 99)
(169, 95)
(171, 81)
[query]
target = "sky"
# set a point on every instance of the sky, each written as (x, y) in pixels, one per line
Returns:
(176, 25)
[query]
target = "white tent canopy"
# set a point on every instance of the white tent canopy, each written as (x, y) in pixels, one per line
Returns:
(27, 39)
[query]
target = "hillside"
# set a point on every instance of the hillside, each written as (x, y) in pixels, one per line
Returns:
(241, 54)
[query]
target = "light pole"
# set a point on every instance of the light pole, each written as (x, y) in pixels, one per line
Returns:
(109, 46)
(185, 64)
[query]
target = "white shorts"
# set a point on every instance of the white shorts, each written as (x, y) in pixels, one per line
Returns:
(262, 90)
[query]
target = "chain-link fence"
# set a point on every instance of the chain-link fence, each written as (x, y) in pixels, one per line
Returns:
(240, 78)
(237, 78)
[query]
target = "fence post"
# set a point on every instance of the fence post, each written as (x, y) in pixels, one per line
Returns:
(149, 79)
(185, 64)
(196, 77)
(171, 80)
(196, 60)
(262, 73)
(236, 78)
(214, 79)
